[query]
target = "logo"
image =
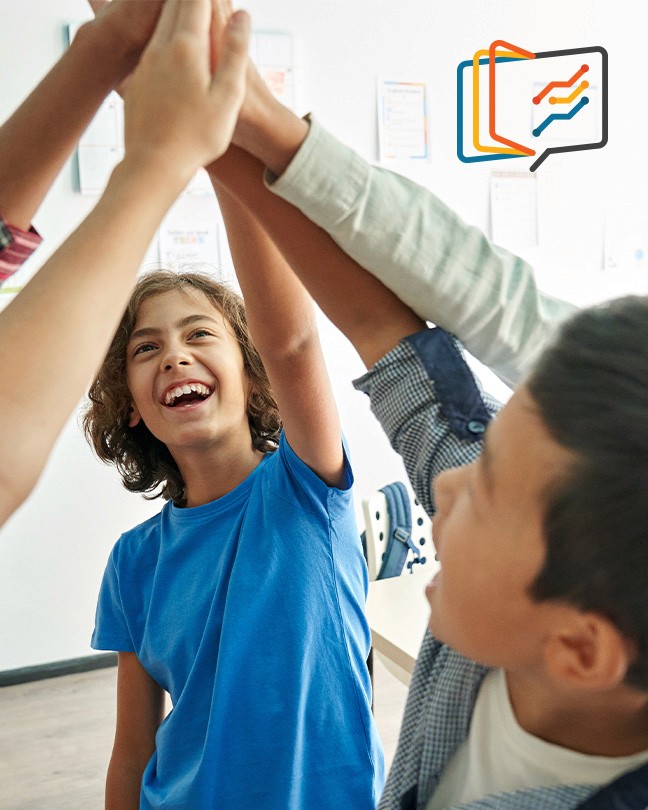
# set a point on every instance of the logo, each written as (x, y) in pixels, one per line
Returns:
(513, 103)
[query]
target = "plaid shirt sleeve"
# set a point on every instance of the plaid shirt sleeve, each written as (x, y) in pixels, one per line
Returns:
(16, 246)
(430, 406)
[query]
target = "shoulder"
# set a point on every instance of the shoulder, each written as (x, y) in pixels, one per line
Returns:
(292, 479)
(143, 539)
(446, 680)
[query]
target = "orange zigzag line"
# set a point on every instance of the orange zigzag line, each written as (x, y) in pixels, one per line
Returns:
(583, 69)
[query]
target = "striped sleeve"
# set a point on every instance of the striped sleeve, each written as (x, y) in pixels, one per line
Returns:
(16, 246)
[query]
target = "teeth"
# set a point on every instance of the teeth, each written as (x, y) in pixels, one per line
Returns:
(188, 388)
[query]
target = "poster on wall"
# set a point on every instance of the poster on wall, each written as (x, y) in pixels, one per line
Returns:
(514, 209)
(402, 121)
(273, 54)
(192, 238)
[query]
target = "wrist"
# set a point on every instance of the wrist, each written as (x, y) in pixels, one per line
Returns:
(149, 174)
(112, 53)
(273, 134)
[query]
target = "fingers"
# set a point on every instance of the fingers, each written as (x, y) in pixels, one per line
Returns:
(194, 17)
(229, 79)
(221, 11)
(166, 24)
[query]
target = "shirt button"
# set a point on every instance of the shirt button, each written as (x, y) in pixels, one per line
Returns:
(476, 427)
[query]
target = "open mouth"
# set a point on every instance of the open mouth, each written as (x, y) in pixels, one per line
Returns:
(187, 394)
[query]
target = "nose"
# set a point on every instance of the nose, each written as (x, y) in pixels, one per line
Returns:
(174, 356)
(447, 486)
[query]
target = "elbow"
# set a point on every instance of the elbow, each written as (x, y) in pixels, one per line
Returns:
(285, 345)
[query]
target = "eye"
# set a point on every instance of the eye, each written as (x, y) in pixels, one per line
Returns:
(143, 347)
(201, 333)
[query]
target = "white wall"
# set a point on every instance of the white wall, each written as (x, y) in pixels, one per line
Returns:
(53, 551)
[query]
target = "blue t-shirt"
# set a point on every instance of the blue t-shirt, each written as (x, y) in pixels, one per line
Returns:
(249, 611)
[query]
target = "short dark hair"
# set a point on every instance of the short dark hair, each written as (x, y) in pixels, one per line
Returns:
(591, 388)
(143, 461)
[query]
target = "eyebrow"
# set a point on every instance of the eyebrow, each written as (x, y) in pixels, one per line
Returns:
(150, 331)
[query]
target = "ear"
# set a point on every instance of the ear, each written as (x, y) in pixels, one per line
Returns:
(588, 652)
(134, 417)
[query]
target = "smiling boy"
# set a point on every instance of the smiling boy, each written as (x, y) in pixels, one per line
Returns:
(530, 689)
(198, 351)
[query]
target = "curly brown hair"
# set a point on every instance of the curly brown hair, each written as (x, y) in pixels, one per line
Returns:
(143, 461)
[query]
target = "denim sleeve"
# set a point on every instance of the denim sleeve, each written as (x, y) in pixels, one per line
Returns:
(430, 406)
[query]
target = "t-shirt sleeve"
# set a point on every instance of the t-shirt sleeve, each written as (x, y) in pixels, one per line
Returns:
(16, 246)
(111, 630)
(430, 406)
(304, 478)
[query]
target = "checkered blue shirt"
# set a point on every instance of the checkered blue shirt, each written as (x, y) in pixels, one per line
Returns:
(435, 414)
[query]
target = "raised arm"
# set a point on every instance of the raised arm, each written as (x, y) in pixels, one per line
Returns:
(282, 323)
(40, 135)
(53, 335)
(421, 390)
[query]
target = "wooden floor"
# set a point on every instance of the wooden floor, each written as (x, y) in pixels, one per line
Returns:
(56, 736)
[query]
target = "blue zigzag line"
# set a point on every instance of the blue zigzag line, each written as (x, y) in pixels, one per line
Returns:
(560, 116)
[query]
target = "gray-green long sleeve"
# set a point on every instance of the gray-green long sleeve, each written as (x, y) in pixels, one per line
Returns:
(446, 271)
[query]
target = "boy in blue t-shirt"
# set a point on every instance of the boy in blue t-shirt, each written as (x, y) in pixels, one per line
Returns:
(244, 597)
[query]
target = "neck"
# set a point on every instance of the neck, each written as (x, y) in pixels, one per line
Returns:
(611, 722)
(211, 472)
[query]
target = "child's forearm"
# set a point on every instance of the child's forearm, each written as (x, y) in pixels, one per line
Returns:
(268, 130)
(282, 324)
(56, 331)
(279, 310)
(40, 135)
(123, 786)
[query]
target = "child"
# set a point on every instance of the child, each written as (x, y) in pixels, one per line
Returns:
(531, 686)
(243, 599)
(83, 287)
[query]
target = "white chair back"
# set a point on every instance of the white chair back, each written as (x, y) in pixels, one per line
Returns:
(377, 527)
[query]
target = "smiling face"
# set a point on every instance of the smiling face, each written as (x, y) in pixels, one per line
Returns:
(488, 532)
(186, 375)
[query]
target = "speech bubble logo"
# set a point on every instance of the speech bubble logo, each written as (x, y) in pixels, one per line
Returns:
(514, 103)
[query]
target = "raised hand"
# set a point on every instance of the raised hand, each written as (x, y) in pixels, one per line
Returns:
(180, 111)
(265, 128)
(259, 103)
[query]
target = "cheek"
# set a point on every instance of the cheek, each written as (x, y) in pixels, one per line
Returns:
(134, 385)
(449, 486)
